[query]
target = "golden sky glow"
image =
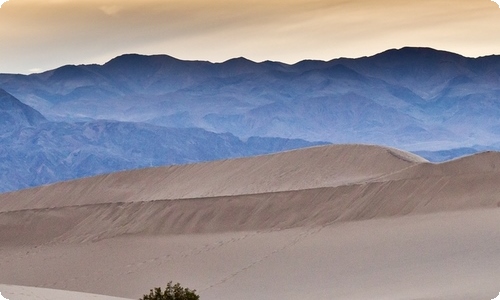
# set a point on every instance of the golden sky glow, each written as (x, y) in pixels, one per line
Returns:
(43, 34)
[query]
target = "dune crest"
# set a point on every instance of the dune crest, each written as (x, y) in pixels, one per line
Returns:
(323, 166)
(311, 187)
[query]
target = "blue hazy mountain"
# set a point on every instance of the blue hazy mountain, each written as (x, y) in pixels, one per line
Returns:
(34, 151)
(13, 113)
(161, 110)
(412, 98)
(445, 155)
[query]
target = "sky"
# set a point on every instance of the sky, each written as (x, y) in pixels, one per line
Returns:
(38, 35)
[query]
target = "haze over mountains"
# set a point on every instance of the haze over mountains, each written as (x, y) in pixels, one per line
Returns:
(36, 151)
(405, 98)
(138, 111)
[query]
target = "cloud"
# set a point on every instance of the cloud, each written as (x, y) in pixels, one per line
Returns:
(497, 2)
(46, 34)
(1, 3)
(34, 70)
(111, 9)
(1, 297)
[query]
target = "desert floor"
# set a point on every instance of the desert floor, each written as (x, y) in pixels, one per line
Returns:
(400, 229)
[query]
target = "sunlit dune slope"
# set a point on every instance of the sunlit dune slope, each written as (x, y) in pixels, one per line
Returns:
(324, 166)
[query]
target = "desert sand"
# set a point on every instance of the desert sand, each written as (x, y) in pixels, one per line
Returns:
(13, 292)
(331, 222)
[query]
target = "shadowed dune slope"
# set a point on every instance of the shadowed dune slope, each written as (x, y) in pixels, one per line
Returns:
(268, 211)
(324, 166)
(473, 165)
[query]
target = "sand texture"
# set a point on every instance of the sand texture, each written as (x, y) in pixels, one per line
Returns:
(331, 222)
(14, 292)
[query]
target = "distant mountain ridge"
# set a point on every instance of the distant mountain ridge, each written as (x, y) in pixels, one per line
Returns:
(412, 98)
(83, 120)
(34, 151)
(14, 113)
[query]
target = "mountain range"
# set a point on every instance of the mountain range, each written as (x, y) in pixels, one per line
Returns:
(412, 98)
(35, 151)
(137, 111)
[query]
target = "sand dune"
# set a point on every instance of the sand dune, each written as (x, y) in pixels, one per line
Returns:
(335, 222)
(436, 256)
(408, 190)
(13, 292)
(293, 170)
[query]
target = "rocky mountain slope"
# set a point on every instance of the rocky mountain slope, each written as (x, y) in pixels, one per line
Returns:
(34, 151)
(414, 98)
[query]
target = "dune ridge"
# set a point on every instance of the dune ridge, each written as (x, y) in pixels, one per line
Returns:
(409, 186)
(323, 166)
(267, 211)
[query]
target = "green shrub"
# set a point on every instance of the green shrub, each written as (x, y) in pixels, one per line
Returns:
(171, 292)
